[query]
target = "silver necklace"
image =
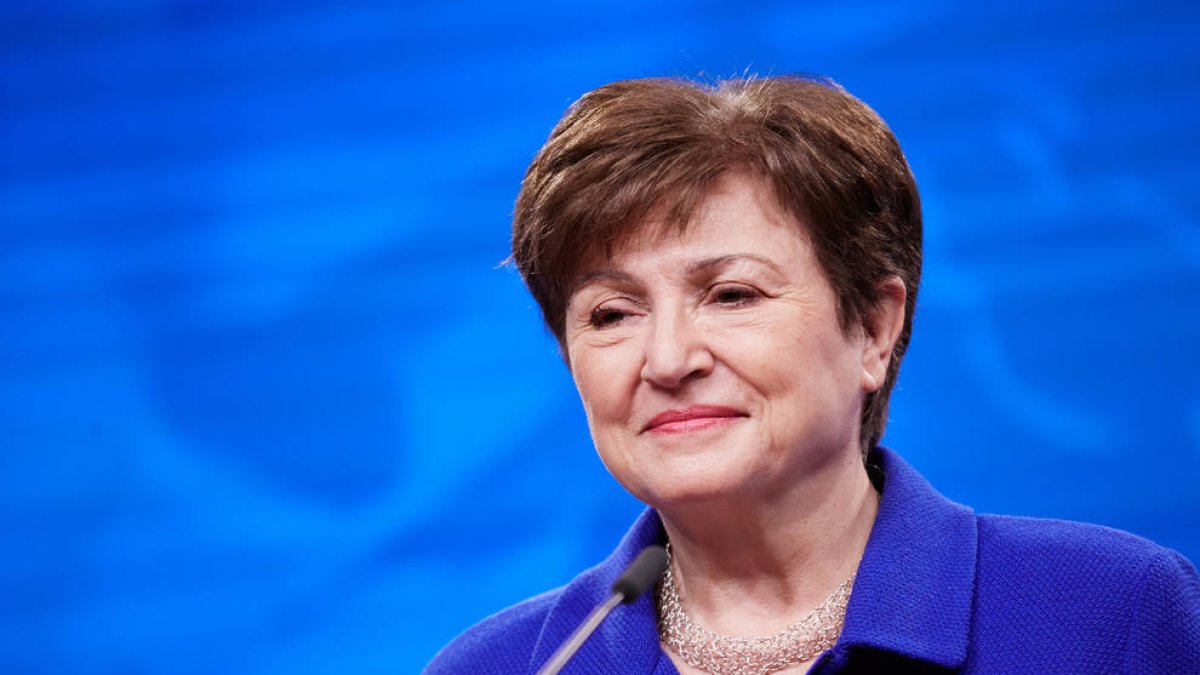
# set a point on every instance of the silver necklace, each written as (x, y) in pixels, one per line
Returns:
(724, 655)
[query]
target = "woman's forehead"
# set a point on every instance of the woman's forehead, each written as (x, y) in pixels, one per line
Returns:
(709, 247)
(738, 210)
(737, 216)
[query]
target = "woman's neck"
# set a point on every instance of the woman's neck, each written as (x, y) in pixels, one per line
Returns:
(750, 567)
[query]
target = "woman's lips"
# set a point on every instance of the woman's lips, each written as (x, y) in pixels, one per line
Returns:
(692, 418)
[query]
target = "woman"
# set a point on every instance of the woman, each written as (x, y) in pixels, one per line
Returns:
(731, 273)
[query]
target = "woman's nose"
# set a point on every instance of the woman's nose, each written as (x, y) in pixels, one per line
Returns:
(676, 351)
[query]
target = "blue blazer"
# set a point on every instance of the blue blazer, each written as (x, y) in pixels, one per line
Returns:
(940, 589)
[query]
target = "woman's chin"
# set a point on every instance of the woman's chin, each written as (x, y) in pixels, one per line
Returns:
(695, 487)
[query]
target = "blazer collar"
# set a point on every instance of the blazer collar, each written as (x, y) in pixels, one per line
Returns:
(912, 596)
(915, 586)
(627, 641)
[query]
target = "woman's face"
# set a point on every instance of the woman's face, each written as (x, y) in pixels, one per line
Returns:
(712, 364)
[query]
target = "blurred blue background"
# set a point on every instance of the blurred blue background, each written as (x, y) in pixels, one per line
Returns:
(268, 404)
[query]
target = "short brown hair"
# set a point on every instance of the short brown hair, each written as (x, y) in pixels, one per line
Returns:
(636, 146)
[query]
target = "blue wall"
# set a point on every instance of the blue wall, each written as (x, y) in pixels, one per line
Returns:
(268, 405)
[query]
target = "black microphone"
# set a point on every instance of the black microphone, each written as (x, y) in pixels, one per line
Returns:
(635, 580)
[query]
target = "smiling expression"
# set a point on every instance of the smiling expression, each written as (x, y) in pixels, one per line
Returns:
(711, 363)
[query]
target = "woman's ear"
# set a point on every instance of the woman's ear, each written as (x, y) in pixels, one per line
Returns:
(881, 330)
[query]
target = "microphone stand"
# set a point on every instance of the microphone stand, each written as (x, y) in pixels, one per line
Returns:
(635, 580)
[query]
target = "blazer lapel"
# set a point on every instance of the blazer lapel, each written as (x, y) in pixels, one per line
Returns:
(915, 587)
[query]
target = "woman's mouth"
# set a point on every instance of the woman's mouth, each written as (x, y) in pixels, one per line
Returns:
(692, 418)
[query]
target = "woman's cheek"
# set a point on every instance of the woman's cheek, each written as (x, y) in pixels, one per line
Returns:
(599, 375)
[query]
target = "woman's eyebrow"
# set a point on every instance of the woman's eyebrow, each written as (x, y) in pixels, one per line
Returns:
(697, 267)
(709, 264)
(603, 274)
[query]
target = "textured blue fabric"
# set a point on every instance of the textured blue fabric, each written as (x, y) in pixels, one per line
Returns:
(939, 589)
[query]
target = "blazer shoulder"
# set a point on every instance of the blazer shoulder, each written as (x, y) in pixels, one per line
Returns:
(1086, 598)
(501, 643)
(1070, 545)
(1165, 632)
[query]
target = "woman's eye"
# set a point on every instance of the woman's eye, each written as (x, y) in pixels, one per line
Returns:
(602, 317)
(734, 295)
